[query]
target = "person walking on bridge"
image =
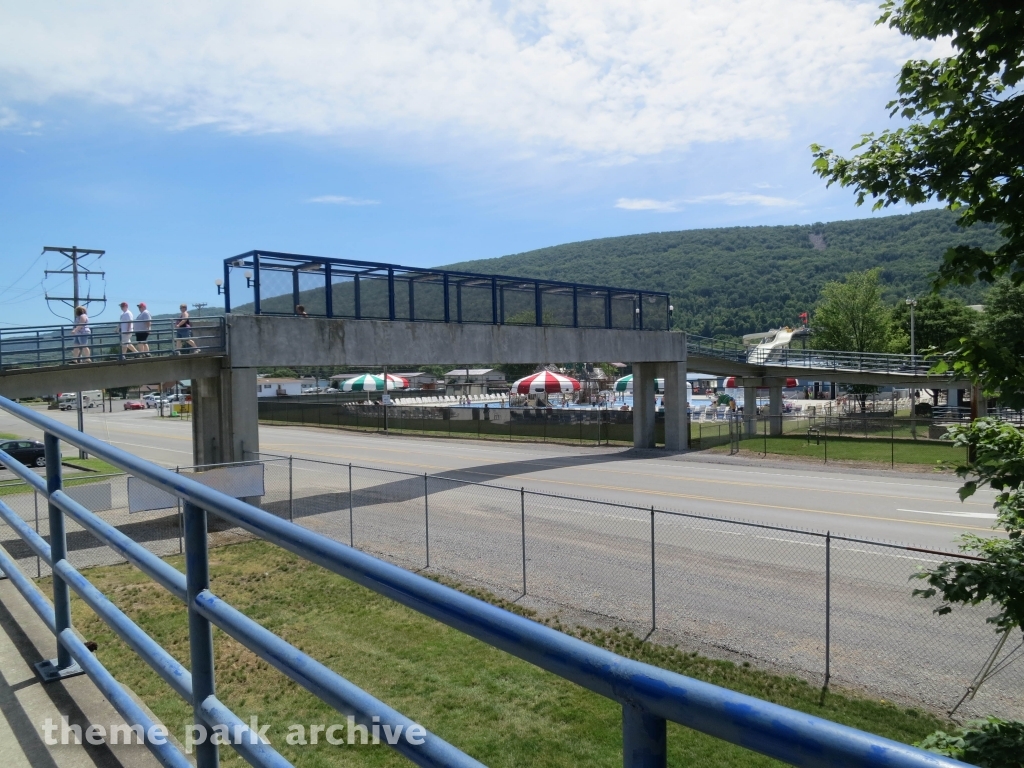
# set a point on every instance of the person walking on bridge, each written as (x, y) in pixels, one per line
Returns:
(183, 331)
(126, 331)
(143, 322)
(81, 334)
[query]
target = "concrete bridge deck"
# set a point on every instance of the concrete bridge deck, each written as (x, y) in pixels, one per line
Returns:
(26, 703)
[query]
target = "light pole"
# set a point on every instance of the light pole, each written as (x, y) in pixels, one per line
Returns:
(913, 362)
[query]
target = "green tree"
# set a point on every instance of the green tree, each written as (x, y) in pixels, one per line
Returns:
(962, 146)
(516, 371)
(994, 355)
(999, 577)
(939, 323)
(851, 316)
(988, 743)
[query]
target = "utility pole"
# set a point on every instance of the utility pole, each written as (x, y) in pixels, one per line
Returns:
(913, 362)
(75, 270)
(198, 307)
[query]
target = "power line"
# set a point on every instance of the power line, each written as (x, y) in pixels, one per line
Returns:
(30, 268)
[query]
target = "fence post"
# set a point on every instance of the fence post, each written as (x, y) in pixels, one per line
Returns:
(291, 495)
(351, 537)
(522, 529)
(644, 741)
(828, 613)
(200, 631)
(35, 503)
(654, 581)
(63, 665)
(426, 515)
(181, 522)
(892, 442)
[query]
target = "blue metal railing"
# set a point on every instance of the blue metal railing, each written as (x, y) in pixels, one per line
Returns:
(277, 283)
(649, 696)
(54, 345)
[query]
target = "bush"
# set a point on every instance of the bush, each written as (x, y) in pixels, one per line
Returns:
(990, 743)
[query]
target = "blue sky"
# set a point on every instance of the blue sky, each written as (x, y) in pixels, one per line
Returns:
(416, 133)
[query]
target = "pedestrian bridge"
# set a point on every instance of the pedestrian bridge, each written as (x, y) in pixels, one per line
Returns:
(290, 310)
(725, 358)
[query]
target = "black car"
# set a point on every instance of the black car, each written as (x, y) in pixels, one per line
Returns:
(28, 452)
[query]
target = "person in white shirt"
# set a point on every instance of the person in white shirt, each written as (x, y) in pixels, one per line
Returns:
(81, 334)
(126, 331)
(143, 321)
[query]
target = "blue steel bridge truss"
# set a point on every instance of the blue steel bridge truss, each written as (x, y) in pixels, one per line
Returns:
(267, 282)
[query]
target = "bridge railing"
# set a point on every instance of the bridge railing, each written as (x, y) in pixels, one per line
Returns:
(55, 345)
(271, 283)
(649, 696)
(826, 360)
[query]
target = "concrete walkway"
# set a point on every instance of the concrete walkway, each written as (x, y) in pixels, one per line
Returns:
(26, 703)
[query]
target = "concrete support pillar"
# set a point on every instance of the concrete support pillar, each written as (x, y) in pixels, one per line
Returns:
(643, 404)
(677, 421)
(775, 409)
(978, 405)
(750, 411)
(225, 417)
(207, 442)
(953, 397)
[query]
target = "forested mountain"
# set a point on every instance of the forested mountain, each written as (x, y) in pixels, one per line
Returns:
(735, 280)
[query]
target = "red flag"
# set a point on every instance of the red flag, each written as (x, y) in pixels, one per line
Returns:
(803, 317)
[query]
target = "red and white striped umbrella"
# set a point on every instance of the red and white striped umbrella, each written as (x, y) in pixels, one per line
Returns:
(397, 382)
(545, 382)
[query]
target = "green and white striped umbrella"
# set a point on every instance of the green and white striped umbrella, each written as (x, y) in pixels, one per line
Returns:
(625, 384)
(365, 383)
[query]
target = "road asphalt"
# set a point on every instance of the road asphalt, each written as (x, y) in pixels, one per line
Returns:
(921, 509)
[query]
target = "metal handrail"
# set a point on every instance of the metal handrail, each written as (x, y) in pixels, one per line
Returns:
(45, 346)
(837, 360)
(649, 696)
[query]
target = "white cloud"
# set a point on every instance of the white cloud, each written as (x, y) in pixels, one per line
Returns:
(599, 78)
(727, 198)
(342, 200)
(645, 204)
(744, 198)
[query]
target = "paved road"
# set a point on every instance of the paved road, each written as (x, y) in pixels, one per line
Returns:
(922, 510)
(752, 591)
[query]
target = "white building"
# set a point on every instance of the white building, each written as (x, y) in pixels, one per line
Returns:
(480, 381)
(278, 387)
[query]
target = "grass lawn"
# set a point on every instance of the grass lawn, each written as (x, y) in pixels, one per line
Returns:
(90, 465)
(882, 451)
(100, 470)
(503, 711)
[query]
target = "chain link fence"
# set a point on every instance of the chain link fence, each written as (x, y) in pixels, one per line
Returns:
(879, 438)
(829, 608)
(581, 426)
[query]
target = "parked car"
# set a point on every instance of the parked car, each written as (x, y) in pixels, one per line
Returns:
(28, 452)
(134, 405)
